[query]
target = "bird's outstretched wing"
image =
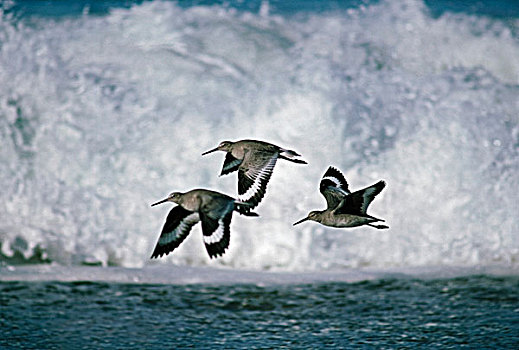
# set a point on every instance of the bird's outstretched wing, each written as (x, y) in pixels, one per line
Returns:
(215, 228)
(333, 187)
(253, 176)
(357, 202)
(230, 164)
(176, 228)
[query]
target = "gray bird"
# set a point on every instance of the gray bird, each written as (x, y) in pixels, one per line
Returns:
(345, 209)
(214, 209)
(255, 161)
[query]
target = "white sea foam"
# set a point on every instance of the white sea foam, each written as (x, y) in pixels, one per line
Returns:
(202, 274)
(102, 115)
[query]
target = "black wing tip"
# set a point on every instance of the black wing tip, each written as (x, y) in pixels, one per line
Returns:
(216, 254)
(157, 254)
(333, 171)
(379, 186)
(216, 250)
(163, 250)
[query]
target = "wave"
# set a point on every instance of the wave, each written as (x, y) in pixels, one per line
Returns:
(100, 115)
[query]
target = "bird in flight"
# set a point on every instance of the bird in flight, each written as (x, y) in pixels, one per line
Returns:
(255, 161)
(213, 209)
(345, 208)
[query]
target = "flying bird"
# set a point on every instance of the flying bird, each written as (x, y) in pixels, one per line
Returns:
(345, 209)
(255, 161)
(212, 208)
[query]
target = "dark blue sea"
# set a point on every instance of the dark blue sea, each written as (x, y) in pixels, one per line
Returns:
(472, 312)
(106, 107)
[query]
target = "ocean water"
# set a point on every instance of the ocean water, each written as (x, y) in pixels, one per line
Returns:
(465, 312)
(106, 107)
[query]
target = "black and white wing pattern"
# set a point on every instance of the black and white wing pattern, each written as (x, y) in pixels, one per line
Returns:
(216, 228)
(357, 202)
(333, 187)
(176, 228)
(253, 176)
(230, 164)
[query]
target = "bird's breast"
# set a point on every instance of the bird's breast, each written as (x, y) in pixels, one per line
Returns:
(238, 153)
(192, 202)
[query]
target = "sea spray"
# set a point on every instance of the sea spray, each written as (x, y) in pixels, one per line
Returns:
(100, 115)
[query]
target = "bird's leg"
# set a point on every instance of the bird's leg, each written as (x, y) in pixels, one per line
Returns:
(379, 227)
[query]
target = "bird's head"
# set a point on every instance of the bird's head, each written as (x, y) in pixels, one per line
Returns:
(223, 146)
(313, 215)
(173, 197)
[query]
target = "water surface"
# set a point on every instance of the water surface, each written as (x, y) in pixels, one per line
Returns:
(464, 312)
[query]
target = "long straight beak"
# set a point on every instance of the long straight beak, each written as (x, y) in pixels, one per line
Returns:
(210, 151)
(300, 221)
(159, 202)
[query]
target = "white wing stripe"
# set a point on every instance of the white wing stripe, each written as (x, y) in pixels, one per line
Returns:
(332, 179)
(185, 224)
(263, 174)
(251, 191)
(217, 235)
(339, 190)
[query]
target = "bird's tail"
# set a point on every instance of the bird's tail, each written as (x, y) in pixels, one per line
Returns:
(290, 156)
(379, 227)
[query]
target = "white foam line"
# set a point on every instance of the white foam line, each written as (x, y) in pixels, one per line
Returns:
(179, 275)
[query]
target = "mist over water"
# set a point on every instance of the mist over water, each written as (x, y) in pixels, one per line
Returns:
(101, 115)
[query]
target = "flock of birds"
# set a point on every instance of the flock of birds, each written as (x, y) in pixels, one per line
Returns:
(255, 161)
